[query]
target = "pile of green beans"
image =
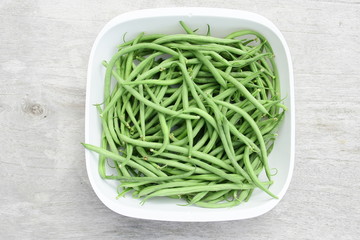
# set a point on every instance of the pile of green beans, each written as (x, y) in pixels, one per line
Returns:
(190, 116)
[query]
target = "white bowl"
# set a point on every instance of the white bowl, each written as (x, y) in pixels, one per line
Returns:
(222, 22)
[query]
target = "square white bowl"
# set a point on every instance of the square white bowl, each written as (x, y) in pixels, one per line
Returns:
(166, 20)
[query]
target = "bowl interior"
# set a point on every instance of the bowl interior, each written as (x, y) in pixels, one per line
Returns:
(166, 21)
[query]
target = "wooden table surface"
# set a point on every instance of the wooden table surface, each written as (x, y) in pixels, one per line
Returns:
(44, 189)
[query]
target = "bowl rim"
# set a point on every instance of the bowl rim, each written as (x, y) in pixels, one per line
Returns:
(192, 11)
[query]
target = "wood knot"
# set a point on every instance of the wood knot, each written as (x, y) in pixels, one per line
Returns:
(36, 109)
(33, 109)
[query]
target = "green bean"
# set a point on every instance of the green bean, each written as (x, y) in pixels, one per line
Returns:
(129, 151)
(190, 116)
(254, 68)
(196, 129)
(211, 67)
(153, 188)
(233, 74)
(156, 170)
(189, 130)
(200, 195)
(193, 38)
(130, 58)
(202, 164)
(143, 39)
(215, 195)
(208, 47)
(217, 57)
(201, 142)
(102, 159)
(253, 176)
(148, 179)
(243, 33)
(110, 124)
(194, 189)
(176, 164)
(209, 177)
(142, 114)
(143, 65)
(174, 107)
(132, 118)
(218, 205)
(186, 28)
(156, 82)
(213, 139)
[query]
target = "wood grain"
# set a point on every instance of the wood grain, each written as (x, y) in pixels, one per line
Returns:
(44, 190)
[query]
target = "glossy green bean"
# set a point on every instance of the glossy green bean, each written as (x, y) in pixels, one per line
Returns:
(195, 189)
(256, 181)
